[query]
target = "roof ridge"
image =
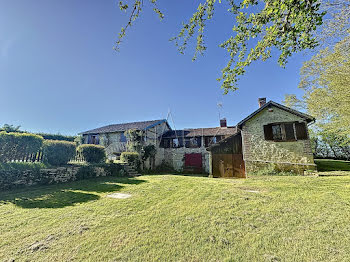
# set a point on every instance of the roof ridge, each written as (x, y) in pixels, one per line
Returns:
(291, 110)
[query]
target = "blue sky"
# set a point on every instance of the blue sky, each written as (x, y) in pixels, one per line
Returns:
(60, 74)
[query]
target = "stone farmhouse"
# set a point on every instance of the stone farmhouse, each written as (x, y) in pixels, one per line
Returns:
(274, 137)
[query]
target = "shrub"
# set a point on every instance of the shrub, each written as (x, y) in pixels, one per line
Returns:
(89, 171)
(58, 153)
(17, 146)
(57, 137)
(92, 153)
(132, 158)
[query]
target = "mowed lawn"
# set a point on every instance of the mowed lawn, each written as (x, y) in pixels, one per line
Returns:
(179, 218)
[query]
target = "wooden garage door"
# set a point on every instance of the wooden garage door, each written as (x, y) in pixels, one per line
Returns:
(228, 165)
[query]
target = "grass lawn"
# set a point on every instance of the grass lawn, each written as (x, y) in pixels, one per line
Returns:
(179, 218)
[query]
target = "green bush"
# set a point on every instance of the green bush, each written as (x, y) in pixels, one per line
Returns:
(89, 171)
(18, 146)
(132, 158)
(56, 137)
(92, 153)
(58, 153)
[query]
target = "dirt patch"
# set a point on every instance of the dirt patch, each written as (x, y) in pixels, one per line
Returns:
(41, 245)
(252, 191)
(119, 195)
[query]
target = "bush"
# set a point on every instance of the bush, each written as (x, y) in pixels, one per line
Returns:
(56, 137)
(18, 146)
(90, 171)
(132, 158)
(92, 153)
(58, 153)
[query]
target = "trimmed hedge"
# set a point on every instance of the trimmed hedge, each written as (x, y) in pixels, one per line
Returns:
(132, 158)
(57, 137)
(17, 146)
(92, 153)
(58, 153)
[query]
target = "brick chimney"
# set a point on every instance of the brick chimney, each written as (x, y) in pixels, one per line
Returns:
(262, 101)
(223, 122)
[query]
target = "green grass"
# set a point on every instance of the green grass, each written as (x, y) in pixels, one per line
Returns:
(179, 218)
(332, 165)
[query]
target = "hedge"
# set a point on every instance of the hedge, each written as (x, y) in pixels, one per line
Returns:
(132, 158)
(57, 137)
(58, 153)
(17, 146)
(92, 153)
(90, 171)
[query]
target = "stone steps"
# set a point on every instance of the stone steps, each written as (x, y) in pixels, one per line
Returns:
(131, 170)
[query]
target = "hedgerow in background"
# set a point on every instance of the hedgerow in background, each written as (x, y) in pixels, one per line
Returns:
(58, 153)
(92, 153)
(132, 158)
(19, 146)
(11, 128)
(57, 137)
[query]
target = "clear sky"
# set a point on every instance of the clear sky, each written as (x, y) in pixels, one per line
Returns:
(60, 74)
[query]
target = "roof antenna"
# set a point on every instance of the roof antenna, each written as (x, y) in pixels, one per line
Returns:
(219, 105)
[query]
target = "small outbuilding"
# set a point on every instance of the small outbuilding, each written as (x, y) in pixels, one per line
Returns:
(274, 137)
(227, 157)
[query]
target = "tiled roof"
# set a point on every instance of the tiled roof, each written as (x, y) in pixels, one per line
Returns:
(125, 126)
(214, 131)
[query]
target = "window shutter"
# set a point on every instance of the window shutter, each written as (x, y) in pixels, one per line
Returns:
(301, 131)
(289, 130)
(268, 132)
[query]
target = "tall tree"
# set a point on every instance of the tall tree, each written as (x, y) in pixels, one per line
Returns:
(286, 25)
(325, 78)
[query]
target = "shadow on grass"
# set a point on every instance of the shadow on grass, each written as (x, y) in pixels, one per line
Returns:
(67, 194)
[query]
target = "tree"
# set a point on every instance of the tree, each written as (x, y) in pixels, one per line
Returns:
(325, 81)
(136, 144)
(287, 26)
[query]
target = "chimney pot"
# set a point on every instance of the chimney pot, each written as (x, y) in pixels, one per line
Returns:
(262, 101)
(223, 122)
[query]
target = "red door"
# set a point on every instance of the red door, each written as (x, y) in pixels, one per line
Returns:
(193, 160)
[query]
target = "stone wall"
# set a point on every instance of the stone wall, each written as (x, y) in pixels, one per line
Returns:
(18, 178)
(175, 157)
(258, 152)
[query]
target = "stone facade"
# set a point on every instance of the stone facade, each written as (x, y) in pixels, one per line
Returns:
(113, 142)
(175, 157)
(258, 152)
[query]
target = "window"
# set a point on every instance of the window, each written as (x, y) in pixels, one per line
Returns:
(122, 137)
(285, 131)
(94, 140)
(176, 142)
(276, 132)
